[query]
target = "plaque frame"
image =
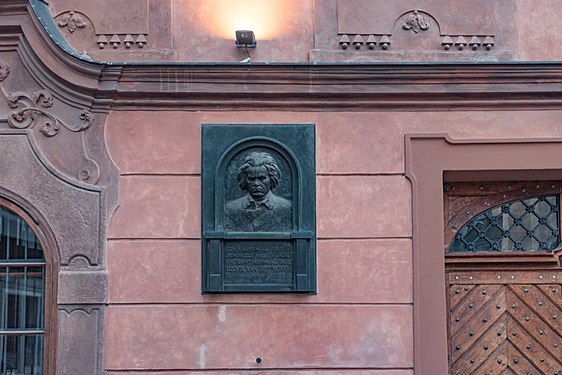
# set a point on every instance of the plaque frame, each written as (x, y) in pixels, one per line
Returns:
(287, 262)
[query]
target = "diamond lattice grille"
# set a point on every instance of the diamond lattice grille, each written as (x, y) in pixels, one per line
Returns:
(531, 224)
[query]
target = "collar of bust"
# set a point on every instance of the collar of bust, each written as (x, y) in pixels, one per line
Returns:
(251, 203)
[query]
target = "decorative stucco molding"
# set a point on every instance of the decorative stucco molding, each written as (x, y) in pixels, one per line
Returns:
(116, 40)
(28, 113)
(104, 23)
(35, 111)
(378, 17)
(71, 21)
(4, 70)
(416, 26)
(415, 22)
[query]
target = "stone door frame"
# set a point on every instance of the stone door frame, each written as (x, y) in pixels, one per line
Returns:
(431, 159)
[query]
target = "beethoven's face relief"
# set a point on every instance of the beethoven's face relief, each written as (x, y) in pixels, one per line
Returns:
(257, 182)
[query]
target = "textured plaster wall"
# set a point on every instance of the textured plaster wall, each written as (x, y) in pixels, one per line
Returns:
(360, 322)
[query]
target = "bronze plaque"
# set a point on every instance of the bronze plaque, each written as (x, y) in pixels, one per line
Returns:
(258, 211)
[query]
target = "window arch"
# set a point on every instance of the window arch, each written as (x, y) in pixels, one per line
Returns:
(24, 318)
(527, 224)
(502, 218)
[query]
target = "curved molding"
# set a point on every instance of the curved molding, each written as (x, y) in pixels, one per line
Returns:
(73, 78)
(34, 111)
(59, 100)
(80, 309)
(80, 230)
(45, 233)
(47, 165)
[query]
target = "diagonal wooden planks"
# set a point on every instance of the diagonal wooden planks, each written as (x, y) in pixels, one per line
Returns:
(518, 363)
(475, 356)
(509, 328)
(531, 349)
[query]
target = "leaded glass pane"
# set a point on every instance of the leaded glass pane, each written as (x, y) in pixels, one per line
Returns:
(526, 225)
(22, 291)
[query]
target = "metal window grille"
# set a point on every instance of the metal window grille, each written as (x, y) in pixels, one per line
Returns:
(525, 225)
(22, 290)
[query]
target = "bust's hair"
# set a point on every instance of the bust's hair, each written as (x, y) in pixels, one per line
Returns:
(259, 159)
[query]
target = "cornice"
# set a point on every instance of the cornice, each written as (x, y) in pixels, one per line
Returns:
(353, 87)
(108, 86)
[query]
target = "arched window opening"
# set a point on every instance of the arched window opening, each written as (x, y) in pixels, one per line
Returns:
(502, 220)
(22, 297)
(527, 225)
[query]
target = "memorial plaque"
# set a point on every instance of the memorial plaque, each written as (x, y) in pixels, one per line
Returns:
(259, 208)
(259, 262)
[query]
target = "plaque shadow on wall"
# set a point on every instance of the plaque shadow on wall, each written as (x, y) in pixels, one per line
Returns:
(258, 209)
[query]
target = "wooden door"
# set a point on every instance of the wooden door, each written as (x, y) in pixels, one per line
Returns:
(504, 290)
(505, 322)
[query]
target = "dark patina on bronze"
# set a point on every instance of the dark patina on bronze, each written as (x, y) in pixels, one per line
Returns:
(258, 209)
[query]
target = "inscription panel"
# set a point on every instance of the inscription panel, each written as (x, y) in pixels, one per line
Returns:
(258, 262)
(258, 209)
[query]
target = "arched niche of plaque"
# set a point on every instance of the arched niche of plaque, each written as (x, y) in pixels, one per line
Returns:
(259, 208)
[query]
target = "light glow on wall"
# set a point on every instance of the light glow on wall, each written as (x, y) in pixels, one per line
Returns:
(266, 18)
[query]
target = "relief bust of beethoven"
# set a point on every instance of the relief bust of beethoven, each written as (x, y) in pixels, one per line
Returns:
(260, 210)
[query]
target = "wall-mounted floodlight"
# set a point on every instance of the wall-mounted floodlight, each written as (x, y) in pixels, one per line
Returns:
(245, 39)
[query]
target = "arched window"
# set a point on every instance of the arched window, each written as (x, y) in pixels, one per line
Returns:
(528, 224)
(22, 297)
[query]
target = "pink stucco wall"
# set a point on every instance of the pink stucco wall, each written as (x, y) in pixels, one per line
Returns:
(362, 319)
(360, 322)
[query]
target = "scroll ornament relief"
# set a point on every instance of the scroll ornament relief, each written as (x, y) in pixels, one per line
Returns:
(30, 109)
(4, 70)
